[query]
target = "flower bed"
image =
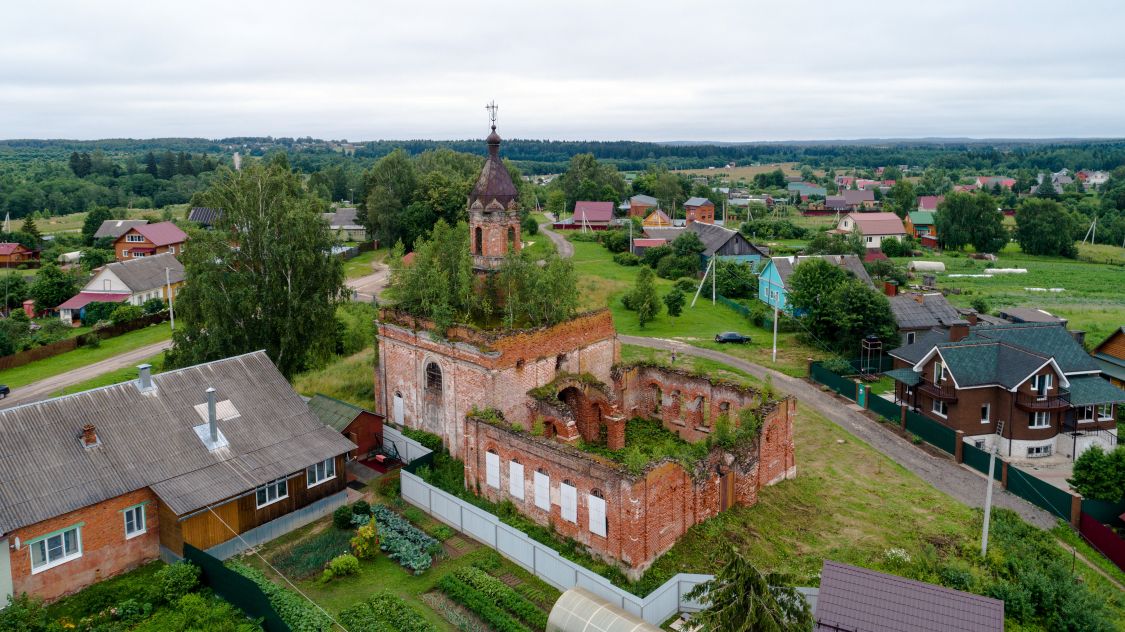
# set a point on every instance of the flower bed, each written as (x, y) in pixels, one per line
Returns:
(403, 542)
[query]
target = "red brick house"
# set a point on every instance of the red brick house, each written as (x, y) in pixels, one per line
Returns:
(362, 427)
(698, 209)
(102, 481)
(14, 254)
(1028, 389)
(146, 240)
(642, 205)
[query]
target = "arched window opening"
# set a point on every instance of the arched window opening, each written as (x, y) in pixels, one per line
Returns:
(512, 238)
(433, 378)
(478, 241)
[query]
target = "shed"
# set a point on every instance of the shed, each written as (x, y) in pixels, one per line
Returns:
(579, 610)
(362, 427)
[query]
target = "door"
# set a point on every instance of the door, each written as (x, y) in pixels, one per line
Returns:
(726, 491)
(398, 408)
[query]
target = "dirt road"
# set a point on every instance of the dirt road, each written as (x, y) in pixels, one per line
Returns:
(45, 388)
(564, 247)
(371, 286)
(959, 482)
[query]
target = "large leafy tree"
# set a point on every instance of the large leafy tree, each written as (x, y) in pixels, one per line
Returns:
(535, 294)
(743, 599)
(52, 287)
(439, 283)
(964, 219)
(588, 179)
(14, 288)
(643, 298)
(94, 221)
(1045, 227)
(265, 278)
(1100, 475)
(837, 309)
(901, 199)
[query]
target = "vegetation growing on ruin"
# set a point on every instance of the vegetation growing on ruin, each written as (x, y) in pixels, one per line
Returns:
(648, 442)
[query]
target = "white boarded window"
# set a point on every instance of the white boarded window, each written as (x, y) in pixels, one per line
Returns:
(515, 479)
(597, 514)
(543, 491)
(568, 496)
(492, 469)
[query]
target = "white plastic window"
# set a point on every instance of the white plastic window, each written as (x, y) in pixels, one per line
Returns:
(492, 469)
(515, 479)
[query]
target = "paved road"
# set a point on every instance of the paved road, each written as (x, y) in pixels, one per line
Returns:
(44, 388)
(959, 482)
(371, 286)
(564, 247)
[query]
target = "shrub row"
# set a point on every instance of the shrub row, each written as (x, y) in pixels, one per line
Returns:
(504, 596)
(403, 542)
(482, 606)
(384, 612)
(294, 610)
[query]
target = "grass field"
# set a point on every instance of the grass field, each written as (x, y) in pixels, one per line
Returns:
(348, 379)
(113, 377)
(73, 222)
(539, 246)
(748, 173)
(360, 265)
(48, 367)
(1092, 295)
(602, 282)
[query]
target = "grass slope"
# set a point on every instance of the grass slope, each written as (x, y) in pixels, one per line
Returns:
(348, 379)
(83, 356)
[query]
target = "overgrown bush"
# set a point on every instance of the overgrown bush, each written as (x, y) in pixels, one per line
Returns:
(384, 612)
(365, 544)
(98, 311)
(198, 612)
(177, 580)
(340, 566)
(153, 306)
(355, 327)
(616, 241)
(126, 313)
(26, 614)
(361, 507)
(626, 259)
(839, 366)
(687, 285)
(342, 517)
(428, 440)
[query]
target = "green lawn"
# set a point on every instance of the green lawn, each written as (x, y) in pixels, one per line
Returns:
(113, 377)
(602, 282)
(349, 379)
(1092, 297)
(48, 367)
(539, 246)
(360, 265)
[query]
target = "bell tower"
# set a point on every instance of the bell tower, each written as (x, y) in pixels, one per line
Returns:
(494, 208)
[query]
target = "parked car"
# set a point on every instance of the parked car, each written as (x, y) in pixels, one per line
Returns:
(732, 336)
(4, 391)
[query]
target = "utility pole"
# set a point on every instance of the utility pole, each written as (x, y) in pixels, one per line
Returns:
(775, 333)
(168, 284)
(714, 273)
(699, 289)
(988, 503)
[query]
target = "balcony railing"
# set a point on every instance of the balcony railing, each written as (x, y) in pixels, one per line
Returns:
(1036, 403)
(936, 391)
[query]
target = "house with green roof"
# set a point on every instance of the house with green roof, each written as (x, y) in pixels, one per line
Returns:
(1026, 389)
(1110, 356)
(363, 427)
(920, 223)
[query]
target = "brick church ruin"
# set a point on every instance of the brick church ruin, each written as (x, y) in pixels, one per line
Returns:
(551, 420)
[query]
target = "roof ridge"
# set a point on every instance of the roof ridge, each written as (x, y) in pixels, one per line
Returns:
(339, 401)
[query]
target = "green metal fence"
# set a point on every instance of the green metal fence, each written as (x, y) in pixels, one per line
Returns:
(977, 459)
(236, 589)
(835, 382)
(1039, 493)
(931, 431)
(884, 407)
(1103, 512)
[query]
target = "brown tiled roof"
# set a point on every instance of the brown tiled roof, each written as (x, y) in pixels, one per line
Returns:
(853, 598)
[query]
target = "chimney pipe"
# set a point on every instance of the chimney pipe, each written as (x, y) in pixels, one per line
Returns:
(144, 372)
(890, 288)
(958, 330)
(211, 415)
(89, 436)
(973, 319)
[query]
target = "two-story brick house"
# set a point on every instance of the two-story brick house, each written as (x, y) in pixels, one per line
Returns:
(146, 240)
(1028, 389)
(699, 209)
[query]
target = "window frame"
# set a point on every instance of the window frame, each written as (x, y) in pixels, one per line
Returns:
(986, 410)
(138, 511)
(1034, 421)
(911, 337)
(1040, 451)
(312, 471)
(45, 539)
(129, 239)
(284, 480)
(1108, 412)
(938, 406)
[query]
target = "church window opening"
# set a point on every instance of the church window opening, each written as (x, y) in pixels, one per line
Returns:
(433, 378)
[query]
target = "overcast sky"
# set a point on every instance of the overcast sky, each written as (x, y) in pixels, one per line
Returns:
(571, 70)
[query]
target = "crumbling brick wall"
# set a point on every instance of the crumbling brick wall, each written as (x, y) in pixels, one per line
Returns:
(482, 370)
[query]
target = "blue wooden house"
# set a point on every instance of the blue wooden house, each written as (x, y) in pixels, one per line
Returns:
(772, 280)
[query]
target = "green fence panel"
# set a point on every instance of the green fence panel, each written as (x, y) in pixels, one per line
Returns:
(835, 382)
(931, 431)
(885, 407)
(977, 459)
(1039, 493)
(426, 460)
(1103, 512)
(236, 589)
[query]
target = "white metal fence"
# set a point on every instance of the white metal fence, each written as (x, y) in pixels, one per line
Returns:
(543, 561)
(408, 449)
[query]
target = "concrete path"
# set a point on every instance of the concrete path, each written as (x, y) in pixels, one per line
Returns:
(564, 247)
(45, 388)
(962, 483)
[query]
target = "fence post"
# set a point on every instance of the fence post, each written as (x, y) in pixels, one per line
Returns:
(902, 417)
(1004, 474)
(959, 448)
(808, 365)
(1075, 510)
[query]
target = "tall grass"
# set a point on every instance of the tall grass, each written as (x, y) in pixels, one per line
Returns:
(350, 379)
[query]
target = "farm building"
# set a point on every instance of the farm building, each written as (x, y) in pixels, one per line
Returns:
(591, 215)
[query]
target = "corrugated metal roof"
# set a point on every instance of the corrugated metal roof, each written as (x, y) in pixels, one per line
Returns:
(878, 223)
(147, 440)
(332, 412)
(854, 598)
(698, 201)
(162, 233)
(917, 311)
(147, 273)
(204, 216)
(82, 299)
(117, 227)
(851, 263)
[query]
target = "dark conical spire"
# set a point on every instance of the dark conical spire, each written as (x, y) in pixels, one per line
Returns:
(494, 183)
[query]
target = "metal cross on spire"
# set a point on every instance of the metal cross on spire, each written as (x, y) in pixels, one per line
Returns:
(492, 107)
